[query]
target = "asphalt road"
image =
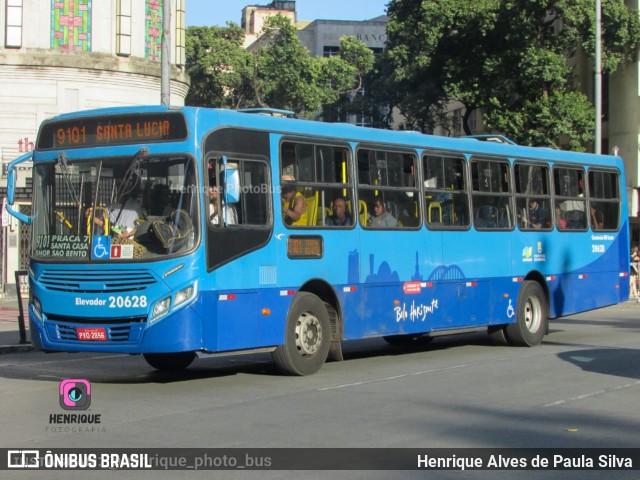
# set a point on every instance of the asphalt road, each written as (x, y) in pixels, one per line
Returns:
(579, 389)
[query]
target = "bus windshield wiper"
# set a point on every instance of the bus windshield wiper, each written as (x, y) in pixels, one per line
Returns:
(61, 161)
(133, 174)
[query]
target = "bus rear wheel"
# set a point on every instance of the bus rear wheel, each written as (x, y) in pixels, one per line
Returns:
(532, 316)
(170, 362)
(307, 337)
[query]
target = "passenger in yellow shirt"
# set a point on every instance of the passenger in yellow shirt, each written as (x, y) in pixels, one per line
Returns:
(294, 207)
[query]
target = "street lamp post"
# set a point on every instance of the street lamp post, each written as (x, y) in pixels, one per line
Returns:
(165, 65)
(598, 79)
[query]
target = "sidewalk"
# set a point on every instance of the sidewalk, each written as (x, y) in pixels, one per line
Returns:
(10, 327)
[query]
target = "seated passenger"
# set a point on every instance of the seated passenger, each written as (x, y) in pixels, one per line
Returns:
(381, 218)
(561, 222)
(340, 217)
(227, 214)
(537, 217)
(294, 207)
(597, 219)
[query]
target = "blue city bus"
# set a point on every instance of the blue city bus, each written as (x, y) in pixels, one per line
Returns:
(441, 236)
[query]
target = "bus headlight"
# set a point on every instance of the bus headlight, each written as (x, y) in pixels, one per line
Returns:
(37, 308)
(184, 295)
(160, 309)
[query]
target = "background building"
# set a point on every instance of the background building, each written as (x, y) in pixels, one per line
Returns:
(59, 56)
(253, 17)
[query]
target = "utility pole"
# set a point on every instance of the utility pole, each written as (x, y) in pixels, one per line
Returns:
(165, 69)
(598, 79)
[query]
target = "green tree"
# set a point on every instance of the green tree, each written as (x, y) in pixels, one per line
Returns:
(509, 58)
(219, 68)
(280, 72)
(347, 75)
(287, 76)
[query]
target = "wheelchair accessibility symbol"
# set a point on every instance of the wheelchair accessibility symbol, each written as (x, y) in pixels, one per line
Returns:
(510, 311)
(101, 247)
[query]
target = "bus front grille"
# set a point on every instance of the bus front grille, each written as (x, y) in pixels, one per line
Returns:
(82, 281)
(118, 333)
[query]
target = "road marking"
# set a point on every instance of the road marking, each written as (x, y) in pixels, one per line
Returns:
(592, 394)
(395, 377)
(433, 370)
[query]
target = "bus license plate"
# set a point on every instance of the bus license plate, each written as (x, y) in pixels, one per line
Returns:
(92, 334)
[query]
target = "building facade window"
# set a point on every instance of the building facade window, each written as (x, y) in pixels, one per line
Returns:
(13, 28)
(123, 28)
(181, 36)
(71, 25)
(328, 51)
(456, 122)
(153, 30)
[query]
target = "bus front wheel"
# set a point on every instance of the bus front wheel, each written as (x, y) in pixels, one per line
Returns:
(307, 337)
(532, 316)
(170, 362)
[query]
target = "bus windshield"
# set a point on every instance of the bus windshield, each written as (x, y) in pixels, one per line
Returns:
(116, 208)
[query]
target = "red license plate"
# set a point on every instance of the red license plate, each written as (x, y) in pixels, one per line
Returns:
(92, 334)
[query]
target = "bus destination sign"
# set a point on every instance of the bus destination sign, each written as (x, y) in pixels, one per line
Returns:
(113, 130)
(305, 246)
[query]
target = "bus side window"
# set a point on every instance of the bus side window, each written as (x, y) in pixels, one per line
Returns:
(604, 200)
(491, 194)
(569, 199)
(446, 199)
(249, 205)
(312, 177)
(533, 203)
(388, 188)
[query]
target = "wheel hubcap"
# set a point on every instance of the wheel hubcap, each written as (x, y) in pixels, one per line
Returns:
(308, 334)
(532, 314)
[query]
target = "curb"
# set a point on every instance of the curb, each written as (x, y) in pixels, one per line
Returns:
(20, 348)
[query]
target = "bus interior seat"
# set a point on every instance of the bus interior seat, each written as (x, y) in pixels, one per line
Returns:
(409, 215)
(328, 211)
(437, 207)
(504, 217)
(576, 219)
(486, 216)
(362, 211)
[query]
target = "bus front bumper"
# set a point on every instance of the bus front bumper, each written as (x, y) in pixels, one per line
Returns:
(181, 331)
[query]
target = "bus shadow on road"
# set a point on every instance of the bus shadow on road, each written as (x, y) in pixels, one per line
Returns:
(133, 370)
(563, 323)
(261, 364)
(619, 362)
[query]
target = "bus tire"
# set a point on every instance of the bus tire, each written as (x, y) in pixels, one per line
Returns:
(498, 335)
(169, 362)
(307, 337)
(532, 316)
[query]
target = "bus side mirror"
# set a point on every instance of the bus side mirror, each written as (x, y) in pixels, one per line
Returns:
(11, 187)
(231, 185)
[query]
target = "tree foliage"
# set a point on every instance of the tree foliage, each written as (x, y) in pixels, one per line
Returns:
(279, 73)
(509, 58)
(219, 68)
